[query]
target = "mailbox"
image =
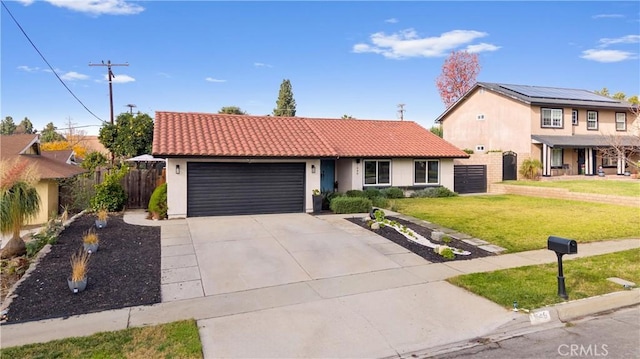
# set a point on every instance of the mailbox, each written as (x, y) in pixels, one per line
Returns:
(562, 245)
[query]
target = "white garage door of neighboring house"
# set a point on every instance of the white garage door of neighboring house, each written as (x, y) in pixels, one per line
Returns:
(220, 189)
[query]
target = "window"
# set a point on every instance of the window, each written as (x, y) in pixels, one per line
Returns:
(480, 117)
(552, 117)
(426, 171)
(621, 121)
(574, 117)
(609, 161)
(479, 148)
(556, 157)
(592, 120)
(377, 172)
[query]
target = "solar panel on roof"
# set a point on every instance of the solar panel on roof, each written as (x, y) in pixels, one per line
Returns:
(557, 93)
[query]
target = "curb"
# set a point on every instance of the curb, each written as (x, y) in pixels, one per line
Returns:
(557, 316)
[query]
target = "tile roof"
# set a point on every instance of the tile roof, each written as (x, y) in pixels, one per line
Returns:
(16, 146)
(220, 135)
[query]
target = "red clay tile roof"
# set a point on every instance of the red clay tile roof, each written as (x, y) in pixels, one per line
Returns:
(14, 146)
(219, 135)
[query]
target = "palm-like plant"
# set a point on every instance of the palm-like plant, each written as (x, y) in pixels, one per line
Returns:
(19, 202)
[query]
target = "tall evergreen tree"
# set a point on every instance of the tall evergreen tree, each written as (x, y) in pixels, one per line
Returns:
(49, 134)
(25, 126)
(7, 126)
(286, 104)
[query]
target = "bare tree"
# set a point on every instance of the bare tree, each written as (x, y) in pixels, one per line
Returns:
(625, 146)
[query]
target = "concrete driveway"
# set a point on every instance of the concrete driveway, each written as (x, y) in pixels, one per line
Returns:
(295, 285)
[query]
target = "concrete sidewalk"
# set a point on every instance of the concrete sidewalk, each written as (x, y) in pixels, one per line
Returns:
(393, 305)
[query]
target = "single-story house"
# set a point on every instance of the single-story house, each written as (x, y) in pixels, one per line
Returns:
(50, 168)
(220, 164)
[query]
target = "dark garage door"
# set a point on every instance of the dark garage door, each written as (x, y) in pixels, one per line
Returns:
(216, 189)
(470, 179)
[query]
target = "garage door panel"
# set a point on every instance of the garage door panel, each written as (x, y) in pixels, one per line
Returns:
(244, 188)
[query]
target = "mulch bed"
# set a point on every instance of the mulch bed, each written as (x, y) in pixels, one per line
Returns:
(124, 272)
(424, 252)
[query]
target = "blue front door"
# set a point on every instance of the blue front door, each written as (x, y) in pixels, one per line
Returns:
(327, 175)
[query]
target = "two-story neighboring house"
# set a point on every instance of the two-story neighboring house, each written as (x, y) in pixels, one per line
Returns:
(571, 131)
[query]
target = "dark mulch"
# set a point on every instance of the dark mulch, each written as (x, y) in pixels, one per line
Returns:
(124, 272)
(424, 252)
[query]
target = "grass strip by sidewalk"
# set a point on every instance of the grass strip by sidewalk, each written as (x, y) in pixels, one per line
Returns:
(174, 340)
(536, 286)
(613, 188)
(521, 223)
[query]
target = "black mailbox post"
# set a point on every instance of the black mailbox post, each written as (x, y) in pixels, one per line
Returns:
(562, 246)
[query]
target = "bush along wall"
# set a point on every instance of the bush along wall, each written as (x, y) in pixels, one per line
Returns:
(342, 205)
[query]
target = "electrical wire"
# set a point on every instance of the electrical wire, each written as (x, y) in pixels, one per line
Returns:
(48, 64)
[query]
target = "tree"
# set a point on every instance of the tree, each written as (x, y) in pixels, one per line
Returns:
(25, 126)
(7, 126)
(130, 136)
(19, 202)
(347, 117)
(232, 110)
(286, 104)
(459, 74)
(50, 134)
(603, 92)
(436, 130)
(92, 161)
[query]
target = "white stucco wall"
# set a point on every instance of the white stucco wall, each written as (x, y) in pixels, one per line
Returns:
(177, 183)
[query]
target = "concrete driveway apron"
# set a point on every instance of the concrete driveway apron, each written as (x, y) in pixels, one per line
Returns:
(295, 285)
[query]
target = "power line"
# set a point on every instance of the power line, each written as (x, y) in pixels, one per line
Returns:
(110, 76)
(47, 62)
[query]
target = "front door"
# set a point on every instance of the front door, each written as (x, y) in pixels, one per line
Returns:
(580, 161)
(327, 175)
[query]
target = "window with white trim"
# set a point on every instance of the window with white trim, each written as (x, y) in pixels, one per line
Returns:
(574, 117)
(592, 120)
(426, 172)
(552, 117)
(556, 157)
(609, 161)
(377, 172)
(621, 121)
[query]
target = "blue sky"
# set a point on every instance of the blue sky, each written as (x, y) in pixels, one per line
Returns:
(356, 58)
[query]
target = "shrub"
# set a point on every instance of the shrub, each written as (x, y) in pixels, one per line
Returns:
(380, 202)
(468, 151)
(158, 201)
(434, 192)
(530, 168)
(351, 205)
(327, 197)
(393, 192)
(447, 253)
(355, 193)
(372, 193)
(110, 194)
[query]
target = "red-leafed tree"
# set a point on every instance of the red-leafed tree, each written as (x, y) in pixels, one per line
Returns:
(458, 75)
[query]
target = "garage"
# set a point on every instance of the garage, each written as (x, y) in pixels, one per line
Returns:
(222, 189)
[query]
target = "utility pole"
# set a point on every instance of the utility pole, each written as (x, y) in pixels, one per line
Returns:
(131, 106)
(110, 77)
(401, 111)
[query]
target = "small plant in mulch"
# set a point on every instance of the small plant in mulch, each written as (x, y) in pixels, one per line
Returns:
(79, 266)
(90, 241)
(446, 240)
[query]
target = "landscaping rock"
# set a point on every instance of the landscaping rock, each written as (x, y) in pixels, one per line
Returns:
(437, 235)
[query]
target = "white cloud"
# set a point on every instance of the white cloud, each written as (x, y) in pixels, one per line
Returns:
(211, 79)
(481, 47)
(26, 2)
(608, 16)
(392, 20)
(261, 64)
(407, 43)
(28, 69)
(120, 79)
(606, 55)
(95, 7)
(73, 76)
(164, 74)
(629, 39)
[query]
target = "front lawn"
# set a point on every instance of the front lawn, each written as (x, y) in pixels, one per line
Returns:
(173, 340)
(616, 188)
(536, 286)
(520, 223)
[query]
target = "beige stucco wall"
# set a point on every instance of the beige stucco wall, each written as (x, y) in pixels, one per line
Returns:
(48, 192)
(348, 174)
(177, 183)
(505, 126)
(606, 122)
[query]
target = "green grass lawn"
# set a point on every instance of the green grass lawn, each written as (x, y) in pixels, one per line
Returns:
(536, 286)
(617, 188)
(520, 223)
(173, 340)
